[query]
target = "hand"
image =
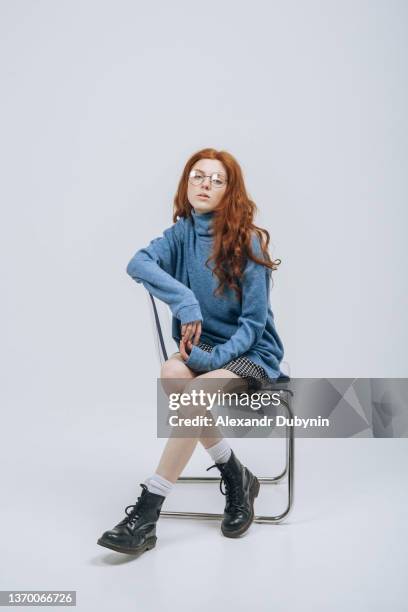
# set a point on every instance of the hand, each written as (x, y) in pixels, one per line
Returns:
(185, 348)
(191, 331)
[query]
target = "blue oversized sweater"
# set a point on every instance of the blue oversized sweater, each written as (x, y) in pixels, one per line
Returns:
(172, 268)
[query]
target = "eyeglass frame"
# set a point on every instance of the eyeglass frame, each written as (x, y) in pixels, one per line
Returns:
(204, 176)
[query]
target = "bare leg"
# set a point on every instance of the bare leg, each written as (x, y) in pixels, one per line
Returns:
(178, 451)
(172, 372)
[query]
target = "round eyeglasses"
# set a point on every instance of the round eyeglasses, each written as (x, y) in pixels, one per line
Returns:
(218, 180)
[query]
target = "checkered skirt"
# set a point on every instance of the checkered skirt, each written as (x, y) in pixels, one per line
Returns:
(240, 365)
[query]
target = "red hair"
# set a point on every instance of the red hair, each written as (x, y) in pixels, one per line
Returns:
(233, 224)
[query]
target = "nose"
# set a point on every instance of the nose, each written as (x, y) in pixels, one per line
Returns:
(206, 181)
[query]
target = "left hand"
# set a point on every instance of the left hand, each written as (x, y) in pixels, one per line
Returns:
(185, 348)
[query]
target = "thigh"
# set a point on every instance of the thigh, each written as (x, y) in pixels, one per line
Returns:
(214, 382)
(222, 379)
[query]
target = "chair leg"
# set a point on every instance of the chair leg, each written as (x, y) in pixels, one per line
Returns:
(288, 471)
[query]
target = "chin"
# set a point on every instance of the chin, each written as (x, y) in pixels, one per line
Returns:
(200, 209)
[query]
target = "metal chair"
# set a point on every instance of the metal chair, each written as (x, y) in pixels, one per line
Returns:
(162, 321)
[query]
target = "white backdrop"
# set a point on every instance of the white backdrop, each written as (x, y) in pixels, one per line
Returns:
(102, 103)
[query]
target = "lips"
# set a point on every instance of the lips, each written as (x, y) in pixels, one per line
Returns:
(203, 195)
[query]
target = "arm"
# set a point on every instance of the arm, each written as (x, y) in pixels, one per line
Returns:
(251, 323)
(154, 267)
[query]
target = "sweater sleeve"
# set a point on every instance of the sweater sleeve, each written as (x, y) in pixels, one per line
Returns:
(251, 323)
(154, 267)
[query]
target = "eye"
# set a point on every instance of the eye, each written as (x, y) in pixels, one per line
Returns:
(218, 180)
(196, 177)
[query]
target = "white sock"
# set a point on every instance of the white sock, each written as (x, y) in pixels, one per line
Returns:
(220, 452)
(158, 485)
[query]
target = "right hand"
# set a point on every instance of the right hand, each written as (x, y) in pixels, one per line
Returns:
(191, 331)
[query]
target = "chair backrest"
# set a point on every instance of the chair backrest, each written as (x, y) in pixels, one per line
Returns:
(162, 320)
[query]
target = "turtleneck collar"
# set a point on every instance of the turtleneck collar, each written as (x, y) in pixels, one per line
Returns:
(203, 223)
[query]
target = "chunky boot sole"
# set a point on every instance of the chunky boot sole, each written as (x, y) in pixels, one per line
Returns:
(253, 493)
(148, 545)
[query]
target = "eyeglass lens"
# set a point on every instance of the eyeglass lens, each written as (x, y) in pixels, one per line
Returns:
(196, 177)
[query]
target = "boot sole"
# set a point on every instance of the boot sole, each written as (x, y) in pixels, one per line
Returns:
(253, 493)
(148, 545)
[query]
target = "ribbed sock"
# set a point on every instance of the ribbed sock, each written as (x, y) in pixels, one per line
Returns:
(158, 485)
(220, 452)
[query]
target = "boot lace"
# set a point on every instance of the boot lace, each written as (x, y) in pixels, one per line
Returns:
(133, 511)
(232, 487)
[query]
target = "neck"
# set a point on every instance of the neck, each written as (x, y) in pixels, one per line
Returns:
(203, 223)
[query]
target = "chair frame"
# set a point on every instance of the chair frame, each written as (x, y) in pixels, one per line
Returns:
(288, 470)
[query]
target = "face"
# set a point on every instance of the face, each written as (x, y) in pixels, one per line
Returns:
(212, 191)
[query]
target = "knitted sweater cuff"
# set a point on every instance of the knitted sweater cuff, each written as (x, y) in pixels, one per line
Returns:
(199, 360)
(187, 314)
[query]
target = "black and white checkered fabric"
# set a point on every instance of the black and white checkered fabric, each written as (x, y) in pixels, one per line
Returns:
(240, 365)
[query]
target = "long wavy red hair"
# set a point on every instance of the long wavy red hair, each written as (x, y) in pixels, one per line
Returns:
(233, 223)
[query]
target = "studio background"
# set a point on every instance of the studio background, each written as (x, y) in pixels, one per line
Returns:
(102, 104)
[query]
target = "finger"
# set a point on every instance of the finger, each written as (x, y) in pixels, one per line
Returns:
(192, 331)
(198, 333)
(183, 351)
(187, 331)
(199, 329)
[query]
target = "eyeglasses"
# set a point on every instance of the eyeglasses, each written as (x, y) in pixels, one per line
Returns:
(218, 180)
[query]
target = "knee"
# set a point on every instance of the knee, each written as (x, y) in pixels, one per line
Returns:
(170, 369)
(173, 375)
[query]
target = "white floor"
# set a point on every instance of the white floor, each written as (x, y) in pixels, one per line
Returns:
(342, 548)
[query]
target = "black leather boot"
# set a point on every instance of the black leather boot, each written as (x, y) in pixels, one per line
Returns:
(241, 489)
(137, 531)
